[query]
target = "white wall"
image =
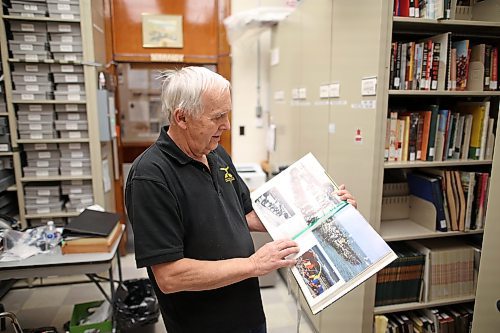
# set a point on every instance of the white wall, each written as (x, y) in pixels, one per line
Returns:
(250, 147)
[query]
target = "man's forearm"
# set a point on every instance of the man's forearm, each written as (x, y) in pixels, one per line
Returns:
(254, 222)
(195, 275)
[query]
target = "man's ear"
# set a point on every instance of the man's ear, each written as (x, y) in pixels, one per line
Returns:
(180, 118)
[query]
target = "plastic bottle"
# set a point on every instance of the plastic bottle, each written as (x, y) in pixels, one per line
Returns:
(52, 235)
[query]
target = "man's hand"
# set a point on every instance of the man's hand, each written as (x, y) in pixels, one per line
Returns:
(272, 255)
(346, 195)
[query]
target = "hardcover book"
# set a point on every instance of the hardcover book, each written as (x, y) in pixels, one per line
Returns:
(339, 249)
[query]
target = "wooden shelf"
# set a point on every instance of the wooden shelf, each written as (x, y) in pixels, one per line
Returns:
(434, 164)
(4, 114)
(58, 214)
(421, 305)
(83, 140)
(398, 230)
(54, 178)
(442, 93)
(39, 18)
(6, 153)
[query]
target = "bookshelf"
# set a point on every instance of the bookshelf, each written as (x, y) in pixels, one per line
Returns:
(347, 132)
(86, 61)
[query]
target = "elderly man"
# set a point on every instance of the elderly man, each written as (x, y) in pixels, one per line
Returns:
(191, 215)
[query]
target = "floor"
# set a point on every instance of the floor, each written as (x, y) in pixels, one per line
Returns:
(52, 305)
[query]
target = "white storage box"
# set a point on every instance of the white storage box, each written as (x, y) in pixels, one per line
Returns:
(252, 175)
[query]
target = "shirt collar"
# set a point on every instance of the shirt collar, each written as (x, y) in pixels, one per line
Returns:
(167, 145)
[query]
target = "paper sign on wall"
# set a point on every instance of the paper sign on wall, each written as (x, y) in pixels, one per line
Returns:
(369, 86)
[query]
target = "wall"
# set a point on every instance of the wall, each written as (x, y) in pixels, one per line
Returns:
(250, 147)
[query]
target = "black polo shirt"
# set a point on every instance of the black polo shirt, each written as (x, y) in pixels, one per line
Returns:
(179, 208)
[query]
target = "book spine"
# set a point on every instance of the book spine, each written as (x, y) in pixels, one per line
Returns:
(435, 65)
(494, 69)
(487, 69)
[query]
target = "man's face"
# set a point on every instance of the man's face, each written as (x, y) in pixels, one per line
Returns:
(204, 131)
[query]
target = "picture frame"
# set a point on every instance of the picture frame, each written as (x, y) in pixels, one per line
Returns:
(162, 31)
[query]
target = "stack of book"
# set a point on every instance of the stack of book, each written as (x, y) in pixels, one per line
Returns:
(451, 319)
(401, 280)
(91, 231)
(449, 268)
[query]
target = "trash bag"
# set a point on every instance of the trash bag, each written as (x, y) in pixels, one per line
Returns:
(136, 304)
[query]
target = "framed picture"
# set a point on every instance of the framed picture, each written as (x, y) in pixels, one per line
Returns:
(162, 31)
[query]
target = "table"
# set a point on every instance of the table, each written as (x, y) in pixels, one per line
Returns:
(57, 264)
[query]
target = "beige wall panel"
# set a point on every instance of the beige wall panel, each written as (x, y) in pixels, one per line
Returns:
(486, 310)
(315, 70)
(285, 76)
(357, 43)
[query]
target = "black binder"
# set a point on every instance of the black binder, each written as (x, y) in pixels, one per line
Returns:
(91, 223)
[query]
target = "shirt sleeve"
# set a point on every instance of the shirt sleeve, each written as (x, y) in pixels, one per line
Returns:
(156, 220)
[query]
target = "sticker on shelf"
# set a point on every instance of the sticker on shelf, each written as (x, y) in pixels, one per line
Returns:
(358, 138)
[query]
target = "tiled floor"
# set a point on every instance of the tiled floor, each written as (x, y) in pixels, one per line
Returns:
(52, 305)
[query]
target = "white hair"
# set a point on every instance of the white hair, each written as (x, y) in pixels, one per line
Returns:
(183, 89)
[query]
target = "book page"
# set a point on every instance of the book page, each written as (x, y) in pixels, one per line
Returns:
(336, 243)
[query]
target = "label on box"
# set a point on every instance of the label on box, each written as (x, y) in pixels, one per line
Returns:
(87, 201)
(35, 117)
(42, 210)
(67, 39)
(66, 48)
(36, 136)
(29, 78)
(44, 154)
(43, 192)
(40, 146)
(75, 135)
(42, 173)
(42, 164)
(70, 57)
(74, 87)
(63, 6)
(32, 87)
(30, 7)
(67, 16)
(35, 107)
(73, 97)
(4, 147)
(71, 107)
(31, 68)
(77, 172)
(67, 68)
(64, 28)
(25, 97)
(74, 146)
(74, 116)
(71, 126)
(70, 78)
(76, 190)
(30, 38)
(76, 154)
(41, 201)
(27, 14)
(26, 47)
(35, 127)
(76, 164)
(27, 27)
(31, 57)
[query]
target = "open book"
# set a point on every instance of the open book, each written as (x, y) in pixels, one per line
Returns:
(338, 248)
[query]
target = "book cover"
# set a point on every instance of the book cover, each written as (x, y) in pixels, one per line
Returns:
(462, 58)
(429, 188)
(338, 248)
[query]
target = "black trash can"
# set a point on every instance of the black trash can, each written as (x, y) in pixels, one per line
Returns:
(136, 304)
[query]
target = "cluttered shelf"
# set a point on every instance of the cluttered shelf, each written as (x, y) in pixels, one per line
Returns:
(422, 305)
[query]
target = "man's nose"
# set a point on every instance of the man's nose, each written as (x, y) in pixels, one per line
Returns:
(226, 125)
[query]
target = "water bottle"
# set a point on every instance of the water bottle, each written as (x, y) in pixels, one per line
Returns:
(52, 235)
